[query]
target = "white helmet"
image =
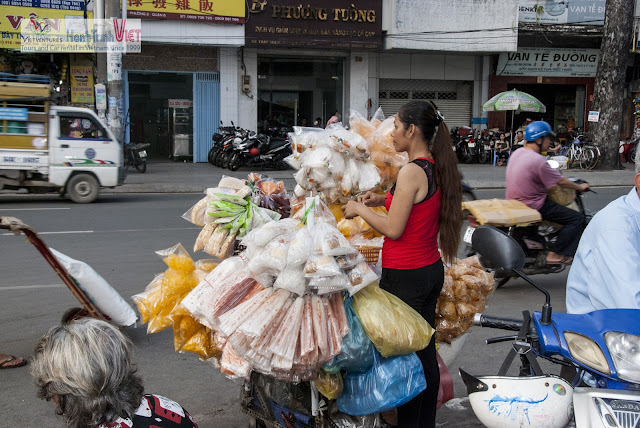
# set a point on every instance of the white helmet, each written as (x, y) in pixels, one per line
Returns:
(505, 401)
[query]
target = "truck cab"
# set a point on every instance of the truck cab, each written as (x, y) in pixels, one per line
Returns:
(47, 148)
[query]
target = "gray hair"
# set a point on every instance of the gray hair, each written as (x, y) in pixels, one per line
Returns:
(87, 364)
(637, 159)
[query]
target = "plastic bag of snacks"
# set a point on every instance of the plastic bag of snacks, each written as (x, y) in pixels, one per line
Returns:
(383, 155)
(356, 355)
(329, 385)
(389, 383)
(393, 326)
(334, 161)
(166, 291)
(464, 293)
(270, 194)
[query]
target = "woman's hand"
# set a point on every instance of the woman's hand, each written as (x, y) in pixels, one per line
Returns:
(351, 209)
(370, 199)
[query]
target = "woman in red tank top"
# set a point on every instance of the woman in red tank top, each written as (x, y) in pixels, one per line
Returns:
(423, 205)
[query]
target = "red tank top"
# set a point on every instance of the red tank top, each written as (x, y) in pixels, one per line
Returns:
(418, 245)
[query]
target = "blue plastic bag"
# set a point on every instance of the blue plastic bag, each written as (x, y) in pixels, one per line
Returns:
(390, 383)
(356, 355)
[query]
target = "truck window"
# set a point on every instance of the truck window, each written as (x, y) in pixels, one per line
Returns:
(80, 128)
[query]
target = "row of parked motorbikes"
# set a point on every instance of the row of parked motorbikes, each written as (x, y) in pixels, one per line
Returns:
(473, 145)
(234, 147)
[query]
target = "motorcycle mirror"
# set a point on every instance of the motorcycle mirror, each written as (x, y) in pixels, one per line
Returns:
(502, 251)
(553, 163)
(232, 124)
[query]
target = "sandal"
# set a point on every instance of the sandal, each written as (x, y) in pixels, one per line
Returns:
(17, 362)
(566, 260)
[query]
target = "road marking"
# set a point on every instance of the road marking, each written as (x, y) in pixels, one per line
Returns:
(29, 287)
(109, 231)
(57, 233)
(34, 209)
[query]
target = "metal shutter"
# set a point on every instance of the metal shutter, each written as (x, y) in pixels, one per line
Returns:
(453, 98)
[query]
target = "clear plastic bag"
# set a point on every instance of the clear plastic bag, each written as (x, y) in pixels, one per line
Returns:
(360, 125)
(391, 382)
(356, 354)
(393, 326)
(361, 276)
(301, 248)
(256, 325)
(329, 385)
(319, 265)
(292, 279)
(197, 213)
(229, 322)
(330, 284)
(332, 242)
(369, 177)
(233, 365)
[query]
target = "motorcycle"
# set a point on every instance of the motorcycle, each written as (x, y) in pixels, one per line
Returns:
(228, 145)
(136, 156)
(600, 347)
(268, 153)
(535, 240)
(218, 139)
(484, 147)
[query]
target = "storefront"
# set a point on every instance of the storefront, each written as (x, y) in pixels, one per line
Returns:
(304, 67)
(172, 100)
(562, 79)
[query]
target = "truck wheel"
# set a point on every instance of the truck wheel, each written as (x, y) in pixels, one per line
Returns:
(83, 188)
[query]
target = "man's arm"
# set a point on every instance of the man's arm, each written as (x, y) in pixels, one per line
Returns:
(568, 184)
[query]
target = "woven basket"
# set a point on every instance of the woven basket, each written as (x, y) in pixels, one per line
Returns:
(371, 254)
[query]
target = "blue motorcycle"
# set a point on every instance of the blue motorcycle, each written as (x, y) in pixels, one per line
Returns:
(600, 349)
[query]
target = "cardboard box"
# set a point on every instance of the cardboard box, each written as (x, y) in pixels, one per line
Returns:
(502, 212)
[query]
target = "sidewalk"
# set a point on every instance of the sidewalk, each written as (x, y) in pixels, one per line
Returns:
(185, 177)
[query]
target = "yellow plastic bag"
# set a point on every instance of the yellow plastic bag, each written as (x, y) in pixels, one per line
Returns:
(329, 385)
(201, 344)
(184, 327)
(392, 325)
(149, 299)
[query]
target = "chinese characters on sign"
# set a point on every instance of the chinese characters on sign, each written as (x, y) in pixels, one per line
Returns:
(227, 11)
(315, 24)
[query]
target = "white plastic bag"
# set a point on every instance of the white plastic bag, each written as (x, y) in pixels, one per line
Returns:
(106, 299)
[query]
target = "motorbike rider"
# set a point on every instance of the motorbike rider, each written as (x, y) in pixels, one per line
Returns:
(528, 179)
(605, 273)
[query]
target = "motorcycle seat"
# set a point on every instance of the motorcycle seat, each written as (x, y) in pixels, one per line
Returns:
(277, 143)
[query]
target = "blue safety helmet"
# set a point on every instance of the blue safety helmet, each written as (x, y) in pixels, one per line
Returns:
(537, 129)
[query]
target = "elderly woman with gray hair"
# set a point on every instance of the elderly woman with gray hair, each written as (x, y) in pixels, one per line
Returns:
(86, 368)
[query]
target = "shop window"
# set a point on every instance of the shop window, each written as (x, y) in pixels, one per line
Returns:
(447, 95)
(399, 95)
(421, 95)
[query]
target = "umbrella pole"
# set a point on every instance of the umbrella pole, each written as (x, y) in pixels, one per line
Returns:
(513, 113)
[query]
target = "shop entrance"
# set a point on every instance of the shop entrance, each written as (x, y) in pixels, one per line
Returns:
(297, 91)
(565, 106)
(161, 113)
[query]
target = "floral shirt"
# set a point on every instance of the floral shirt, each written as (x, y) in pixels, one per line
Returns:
(155, 411)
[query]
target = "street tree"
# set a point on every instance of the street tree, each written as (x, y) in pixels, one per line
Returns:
(610, 79)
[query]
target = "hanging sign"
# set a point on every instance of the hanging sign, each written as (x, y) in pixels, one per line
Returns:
(549, 62)
(81, 84)
(227, 11)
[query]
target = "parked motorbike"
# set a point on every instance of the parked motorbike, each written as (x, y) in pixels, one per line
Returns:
(484, 146)
(228, 145)
(601, 347)
(218, 138)
(267, 153)
(535, 240)
(136, 156)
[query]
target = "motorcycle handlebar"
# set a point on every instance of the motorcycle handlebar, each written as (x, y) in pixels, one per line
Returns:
(496, 322)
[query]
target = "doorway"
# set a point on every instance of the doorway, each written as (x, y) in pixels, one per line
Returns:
(149, 114)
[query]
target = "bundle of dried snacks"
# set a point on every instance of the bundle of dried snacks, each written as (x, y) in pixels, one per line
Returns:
(466, 289)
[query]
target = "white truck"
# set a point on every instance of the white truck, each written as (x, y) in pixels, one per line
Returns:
(47, 148)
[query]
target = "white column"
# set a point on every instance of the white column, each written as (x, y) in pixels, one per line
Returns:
(229, 86)
(248, 102)
(486, 62)
(358, 83)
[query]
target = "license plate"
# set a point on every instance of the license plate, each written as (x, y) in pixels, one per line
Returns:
(143, 153)
(472, 144)
(468, 234)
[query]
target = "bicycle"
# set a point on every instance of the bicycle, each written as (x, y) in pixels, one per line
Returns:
(585, 155)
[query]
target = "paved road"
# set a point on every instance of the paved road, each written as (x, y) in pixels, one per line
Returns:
(117, 236)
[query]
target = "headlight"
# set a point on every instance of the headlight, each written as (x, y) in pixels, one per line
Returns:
(587, 352)
(625, 353)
